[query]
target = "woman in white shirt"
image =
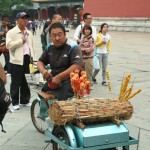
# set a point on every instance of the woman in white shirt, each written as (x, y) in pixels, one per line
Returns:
(103, 48)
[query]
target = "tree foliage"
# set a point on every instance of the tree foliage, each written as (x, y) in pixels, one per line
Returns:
(7, 5)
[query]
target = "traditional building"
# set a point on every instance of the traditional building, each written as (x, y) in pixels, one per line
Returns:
(67, 8)
(121, 15)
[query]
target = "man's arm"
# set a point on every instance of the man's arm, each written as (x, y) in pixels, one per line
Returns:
(47, 35)
(77, 32)
(48, 40)
(41, 67)
(65, 74)
(12, 44)
(2, 33)
(94, 33)
(2, 74)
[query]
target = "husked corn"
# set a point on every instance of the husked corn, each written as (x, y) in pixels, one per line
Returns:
(132, 95)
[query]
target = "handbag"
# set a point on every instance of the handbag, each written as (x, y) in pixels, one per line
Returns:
(96, 65)
(31, 66)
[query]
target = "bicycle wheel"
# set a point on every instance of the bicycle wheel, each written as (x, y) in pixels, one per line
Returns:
(61, 134)
(38, 122)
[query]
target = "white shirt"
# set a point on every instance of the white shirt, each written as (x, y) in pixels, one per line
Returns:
(26, 49)
(78, 30)
(104, 49)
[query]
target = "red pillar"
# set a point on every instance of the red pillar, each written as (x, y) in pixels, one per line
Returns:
(46, 13)
(41, 14)
(80, 14)
(71, 13)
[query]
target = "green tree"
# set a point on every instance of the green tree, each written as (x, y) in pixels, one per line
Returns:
(7, 5)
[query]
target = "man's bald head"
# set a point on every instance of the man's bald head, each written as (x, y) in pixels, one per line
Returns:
(56, 18)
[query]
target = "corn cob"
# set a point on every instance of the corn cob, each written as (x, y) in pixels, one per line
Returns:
(109, 86)
(127, 93)
(130, 90)
(107, 75)
(124, 94)
(108, 80)
(132, 95)
(121, 88)
(126, 82)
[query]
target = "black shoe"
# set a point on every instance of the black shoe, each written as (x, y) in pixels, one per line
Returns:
(104, 83)
(94, 81)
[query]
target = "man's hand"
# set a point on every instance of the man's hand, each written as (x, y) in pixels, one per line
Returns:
(46, 74)
(3, 48)
(24, 39)
(2, 33)
(78, 41)
(56, 81)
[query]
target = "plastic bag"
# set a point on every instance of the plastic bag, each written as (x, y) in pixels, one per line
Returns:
(31, 68)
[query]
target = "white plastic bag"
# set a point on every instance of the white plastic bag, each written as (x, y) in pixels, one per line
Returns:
(96, 65)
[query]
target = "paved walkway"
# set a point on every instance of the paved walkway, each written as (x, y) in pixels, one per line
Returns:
(129, 54)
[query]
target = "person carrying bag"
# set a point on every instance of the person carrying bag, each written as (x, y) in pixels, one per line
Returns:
(96, 66)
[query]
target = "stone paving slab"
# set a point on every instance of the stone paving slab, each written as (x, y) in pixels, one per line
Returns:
(130, 53)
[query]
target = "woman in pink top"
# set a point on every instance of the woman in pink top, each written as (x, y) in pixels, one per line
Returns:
(87, 46)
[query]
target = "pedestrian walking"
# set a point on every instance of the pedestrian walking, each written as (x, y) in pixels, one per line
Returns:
(43, 35)
(68, 22)
(55, 19)
(33, 27)
(87, 20)
(87, 45)
(102, 49)
(19, 41)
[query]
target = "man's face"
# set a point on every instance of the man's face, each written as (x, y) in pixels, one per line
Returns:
(4, 23)
(58, 19)
(22, 21)
(58, 37)
(88, 20)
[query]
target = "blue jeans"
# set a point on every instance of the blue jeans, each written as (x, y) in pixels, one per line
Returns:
(103, 61)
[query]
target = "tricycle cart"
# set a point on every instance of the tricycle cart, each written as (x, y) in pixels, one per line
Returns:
(97, 136)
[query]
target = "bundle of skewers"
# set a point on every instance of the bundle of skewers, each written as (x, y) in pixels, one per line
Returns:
(126, 90)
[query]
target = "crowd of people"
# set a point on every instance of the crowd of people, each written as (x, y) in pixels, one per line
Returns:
(62, 54)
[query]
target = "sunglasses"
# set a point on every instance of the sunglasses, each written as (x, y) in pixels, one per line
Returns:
(89, 18)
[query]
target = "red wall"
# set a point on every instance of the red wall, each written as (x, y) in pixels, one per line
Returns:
(117, 8)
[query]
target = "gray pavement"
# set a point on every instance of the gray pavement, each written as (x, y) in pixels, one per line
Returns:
(129, 54)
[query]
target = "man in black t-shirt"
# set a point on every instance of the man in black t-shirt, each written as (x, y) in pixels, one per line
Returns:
(64, 56)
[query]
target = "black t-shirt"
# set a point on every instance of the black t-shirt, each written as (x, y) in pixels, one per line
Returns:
(62, 58)
(2, 90)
